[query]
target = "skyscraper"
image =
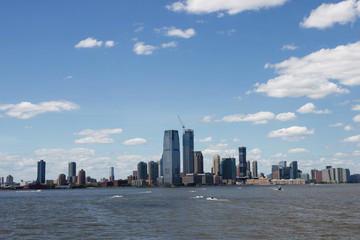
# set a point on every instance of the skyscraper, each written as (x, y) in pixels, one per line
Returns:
(188, 149)
(171, 157)
(72, 172)
(198, 162)
(142, 171)
(61, 180)
(216, 165)
(254, 169)
(41, 172)
(228, 168)
(248, 171)
(153, 171)
(294, 170)
(242, 162)
(81, 177)
(112, 176)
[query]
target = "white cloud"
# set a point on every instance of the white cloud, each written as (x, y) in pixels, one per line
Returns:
(175, 32)
(336, 125)
(206, 119)
(297, 150)
(222, 149)
(279, 155)
(227, 32)
(169, 44)
(231, 7)
(356, 118)
(352, 139)
(25, 110)
(349, 128)
(289, 47)
(239, 98)
(68, 77)
(59, 153)
(204, 140)
(109, 43)
(310, 108)
(286, 116)
(257, 118)
(356, 107)
(135, 141)
(294, 133)
(236, 140)
(254, 154)
(328, 14)
(139, 29)
(89, 43)
(315, 75)
(97, 136)
(140, 48)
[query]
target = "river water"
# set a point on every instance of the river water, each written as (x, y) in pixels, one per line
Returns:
(210, 212)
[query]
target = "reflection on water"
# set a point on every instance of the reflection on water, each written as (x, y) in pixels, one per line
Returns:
(298, 212)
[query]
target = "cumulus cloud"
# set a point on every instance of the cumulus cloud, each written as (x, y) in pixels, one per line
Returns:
(140, 48)
(297, 150)
(289, 47)
(25, 110)
(109, 43)
(310, 108)
(336, 125)
(356, 118)
(349, 127)
(204, 140)
(316, 74)
(169, 44)
(294, 133)
(68, 77)
(175, 32)
(135, 141)
(231, 7)
(286, 116)
(256, 118)
(356, 107)
(206, 119)
(352, 139)
(97, 136)
(222, 149)
(254, 154)
(328, 14)
(89, 43)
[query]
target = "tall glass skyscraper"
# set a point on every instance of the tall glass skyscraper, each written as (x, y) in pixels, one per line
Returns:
(188, 151)
(242, 162)
(216, 165)
(254, 169)
(228, 168)
(171, 157)
(41, 171)
(142, 171)
(72, 172)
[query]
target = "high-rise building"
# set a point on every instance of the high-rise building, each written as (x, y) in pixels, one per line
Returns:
(171, 157)
(9, 180)
(254, 169)
(282, 164)
(242, 162)
(198, 162)
(188, 149)
(2, 181)
(294, 170)
(153, 172)
(216, 165)
(228, 168)
(112, 176)
(248, 172)
(61, 180)
(41, 171)
(72, 172)
(81, 177)
(142, 171)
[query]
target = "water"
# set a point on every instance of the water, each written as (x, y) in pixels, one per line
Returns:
(248, 212)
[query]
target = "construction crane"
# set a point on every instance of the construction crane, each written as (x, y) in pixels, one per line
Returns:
(182, 125)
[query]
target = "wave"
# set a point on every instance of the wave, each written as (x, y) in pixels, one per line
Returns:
(116, 196)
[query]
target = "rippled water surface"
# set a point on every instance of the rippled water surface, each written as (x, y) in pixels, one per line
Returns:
(248, 212)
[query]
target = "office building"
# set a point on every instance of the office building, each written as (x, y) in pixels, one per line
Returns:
(188, 149)
(198, 162)
(153, 172)
(316, 176)
(2, 181)
(216, 165)
(242, 162)
(294, 170)
(112, 175)
(9, 180)
(72, 172)
(282, 164)
(41, 171)
(248, 171)
(171, 157)
(228, 168)
(254, 169)
(142, 171)
(81, 177)
(61, 180)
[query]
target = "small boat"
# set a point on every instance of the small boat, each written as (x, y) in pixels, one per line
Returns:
(279, 187)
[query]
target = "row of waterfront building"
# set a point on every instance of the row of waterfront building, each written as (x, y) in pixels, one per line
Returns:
(166, 171)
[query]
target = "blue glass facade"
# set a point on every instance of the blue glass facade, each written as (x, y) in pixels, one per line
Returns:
(171, 157)
(242, 162)
(41, 171)
(188, 151)
(228, 168)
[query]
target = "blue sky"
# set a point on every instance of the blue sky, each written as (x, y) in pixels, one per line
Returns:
(98, 82)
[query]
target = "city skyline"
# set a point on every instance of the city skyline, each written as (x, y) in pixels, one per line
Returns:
(98, 83)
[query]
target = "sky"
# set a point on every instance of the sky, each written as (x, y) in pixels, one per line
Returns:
(98, 82)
